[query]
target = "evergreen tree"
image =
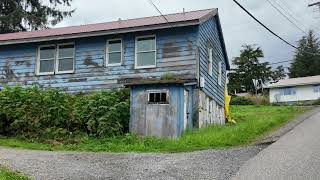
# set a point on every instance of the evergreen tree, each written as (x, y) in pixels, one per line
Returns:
(278, 73)
(248, 68)
(306, 61)
(23, 15)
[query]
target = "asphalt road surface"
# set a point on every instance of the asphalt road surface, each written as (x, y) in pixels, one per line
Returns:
(295, 156)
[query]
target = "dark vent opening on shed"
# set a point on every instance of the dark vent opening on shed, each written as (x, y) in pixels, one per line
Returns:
(158, 98)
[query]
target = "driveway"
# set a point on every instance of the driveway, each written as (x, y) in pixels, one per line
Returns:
(295, 156)
(210, 164)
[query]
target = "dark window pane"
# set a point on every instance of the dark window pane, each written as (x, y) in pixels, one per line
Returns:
(65, 64)
(66, 51)
(151, 97)
(146, 44)
(158, 98)
(163, 97)
(114, 58)
(146, 59)
(47, 52)
(115, 46)
(46, 66)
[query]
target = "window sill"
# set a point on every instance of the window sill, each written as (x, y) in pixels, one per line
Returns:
(52, 73)
(145, 67)
(45, 74)
(65, 72)
(111, 65)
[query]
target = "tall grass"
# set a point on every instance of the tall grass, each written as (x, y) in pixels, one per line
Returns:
(252, 121)
(6, 174)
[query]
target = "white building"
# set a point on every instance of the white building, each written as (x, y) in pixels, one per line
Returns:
(295, 89)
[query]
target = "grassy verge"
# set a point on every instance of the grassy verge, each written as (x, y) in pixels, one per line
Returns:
(253, 121)
(6, 174)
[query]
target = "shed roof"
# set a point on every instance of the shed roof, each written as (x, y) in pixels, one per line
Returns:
(310, 80)
(178, 19)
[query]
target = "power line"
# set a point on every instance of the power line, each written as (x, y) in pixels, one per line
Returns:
(275, 7)
(164, 17)
(280, 62)
(285, 6)
(252, 16)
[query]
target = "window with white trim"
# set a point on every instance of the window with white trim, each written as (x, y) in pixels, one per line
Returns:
(46, 59)
(288, 91)
(114, 52)
(220, 73)
(145, 52)
(158, 97)
(316, 89)
(65, 59)
(210, 59)
(55, 59)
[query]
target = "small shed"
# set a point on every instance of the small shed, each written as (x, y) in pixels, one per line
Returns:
(161, 108)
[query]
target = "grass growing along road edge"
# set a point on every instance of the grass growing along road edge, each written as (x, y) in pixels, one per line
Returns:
(6, 174)
(253, 121)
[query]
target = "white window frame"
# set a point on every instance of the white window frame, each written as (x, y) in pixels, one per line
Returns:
(136, 53)
(57, 58)
(159, 91)
(210, 60)
(220, 73)
(293, 91)
(38, 60)
(107, 52)
(316, 89)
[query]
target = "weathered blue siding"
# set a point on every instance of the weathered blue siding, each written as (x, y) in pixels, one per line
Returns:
(209, 36)
(176, 53)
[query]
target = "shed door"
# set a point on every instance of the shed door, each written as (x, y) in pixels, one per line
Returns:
(186, 109)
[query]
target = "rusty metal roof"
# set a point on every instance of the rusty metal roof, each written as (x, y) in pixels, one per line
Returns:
(132, 24)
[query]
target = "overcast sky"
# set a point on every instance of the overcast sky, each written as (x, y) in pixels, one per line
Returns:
(238, 27)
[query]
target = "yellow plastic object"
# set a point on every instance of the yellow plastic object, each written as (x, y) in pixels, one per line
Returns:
(227, 99)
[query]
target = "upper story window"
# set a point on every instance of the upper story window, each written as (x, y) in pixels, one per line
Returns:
(316, 89)
(46, 57)
(55, 59)
(220, 73)
(114, 52)
(65, 60)
(210, 59)
(288, 91)
(145, 52)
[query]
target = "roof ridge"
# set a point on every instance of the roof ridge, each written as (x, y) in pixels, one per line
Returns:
(114, 21)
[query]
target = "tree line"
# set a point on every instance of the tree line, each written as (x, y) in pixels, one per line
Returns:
(247, 67)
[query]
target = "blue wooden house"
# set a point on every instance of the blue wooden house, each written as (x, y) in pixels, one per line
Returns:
(175, 66)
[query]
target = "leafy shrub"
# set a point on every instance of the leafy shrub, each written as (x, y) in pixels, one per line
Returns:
(36, 113)
(259, 100)
(316, 102)
(249, 100)
(240, 100)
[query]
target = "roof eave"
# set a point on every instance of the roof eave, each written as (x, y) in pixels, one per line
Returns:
(290, 85)
(102, 33)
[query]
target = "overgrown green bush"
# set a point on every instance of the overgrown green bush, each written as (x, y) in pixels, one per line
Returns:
(36, 113)
(316, 102)
(249, 100)
(241, 100)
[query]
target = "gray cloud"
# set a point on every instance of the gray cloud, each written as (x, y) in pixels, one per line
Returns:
(238, 27)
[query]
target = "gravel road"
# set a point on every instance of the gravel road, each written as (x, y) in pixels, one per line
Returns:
(210, 164)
